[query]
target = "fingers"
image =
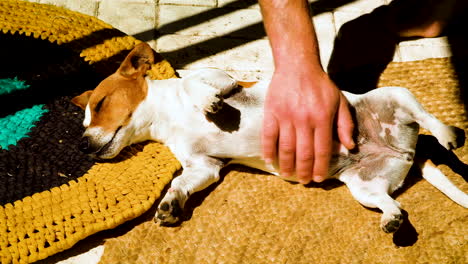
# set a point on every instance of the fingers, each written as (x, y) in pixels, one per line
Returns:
(287, 149)
(345, 124)
(304, 151)
(279, 142)
(270, 138)
(305, 154)
(322, 152)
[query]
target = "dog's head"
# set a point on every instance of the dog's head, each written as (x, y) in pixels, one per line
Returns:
(110, 106)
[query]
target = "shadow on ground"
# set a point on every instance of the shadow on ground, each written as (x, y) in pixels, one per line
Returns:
(365, 46)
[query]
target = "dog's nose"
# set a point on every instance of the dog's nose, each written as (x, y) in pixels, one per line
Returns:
(85, 145)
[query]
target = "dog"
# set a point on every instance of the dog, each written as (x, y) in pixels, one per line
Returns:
(209, 120)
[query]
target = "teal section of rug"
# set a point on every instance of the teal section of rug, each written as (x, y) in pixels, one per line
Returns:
(9, 85)
(16, 126)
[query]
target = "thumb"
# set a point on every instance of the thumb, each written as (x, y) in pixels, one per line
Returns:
(345, 124)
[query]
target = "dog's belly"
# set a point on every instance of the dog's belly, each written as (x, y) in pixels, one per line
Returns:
(381, 136)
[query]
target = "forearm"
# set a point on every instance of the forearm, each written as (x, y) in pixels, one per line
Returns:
(292, 34)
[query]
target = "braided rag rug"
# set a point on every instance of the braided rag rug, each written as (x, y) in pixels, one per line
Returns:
(51, 195)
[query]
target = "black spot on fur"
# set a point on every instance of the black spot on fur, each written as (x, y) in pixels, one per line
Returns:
(227, 118)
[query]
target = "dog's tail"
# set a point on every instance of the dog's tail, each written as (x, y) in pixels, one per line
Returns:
(435, 177)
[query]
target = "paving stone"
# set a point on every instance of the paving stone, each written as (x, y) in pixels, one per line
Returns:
(61, 3)
(211, 3)
(432, 42)
(255, 55)
(397, 55)
(362, 6)
(199, 21)
(88, 7)
(239, 4)
(182, 50)
(341, 17)
(135, 17)
(326, 33)
(186, 52)
(424, 48)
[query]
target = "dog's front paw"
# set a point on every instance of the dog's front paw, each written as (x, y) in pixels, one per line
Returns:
(170, 209)
(392, 223)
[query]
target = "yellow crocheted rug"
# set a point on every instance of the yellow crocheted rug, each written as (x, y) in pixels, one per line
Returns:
(52, 196)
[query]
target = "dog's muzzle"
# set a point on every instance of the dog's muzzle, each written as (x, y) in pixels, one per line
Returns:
(85, 146)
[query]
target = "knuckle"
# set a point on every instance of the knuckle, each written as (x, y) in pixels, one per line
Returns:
(269, 127)
(301, 116)
(286, 169)
(305, 158)
(304, 174)
(323, 117)
(286, 164)
(287, 149)
(323, 154)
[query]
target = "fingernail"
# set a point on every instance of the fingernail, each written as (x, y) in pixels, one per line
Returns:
(302, 181)
(286, 174)
(319, 178)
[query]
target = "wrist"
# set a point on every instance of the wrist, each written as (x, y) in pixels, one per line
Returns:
(300, 66)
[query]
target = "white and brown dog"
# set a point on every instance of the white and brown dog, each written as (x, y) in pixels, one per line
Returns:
(209, 120)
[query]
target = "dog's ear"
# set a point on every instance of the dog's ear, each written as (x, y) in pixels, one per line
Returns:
(82, 99)
(137, 62)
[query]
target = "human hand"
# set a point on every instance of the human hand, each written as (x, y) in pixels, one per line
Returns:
(301, 110)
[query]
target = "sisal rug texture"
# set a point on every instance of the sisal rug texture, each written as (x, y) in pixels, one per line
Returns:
(252, 217)
(51, 195)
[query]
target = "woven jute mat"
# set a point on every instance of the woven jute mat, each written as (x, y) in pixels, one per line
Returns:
(52, 196)
(252, 217)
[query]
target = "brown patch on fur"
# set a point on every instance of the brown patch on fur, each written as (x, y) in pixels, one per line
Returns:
(82, 100)
(119, 94)
(246, 84)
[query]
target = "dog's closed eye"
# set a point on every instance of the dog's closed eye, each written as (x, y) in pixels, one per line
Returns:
(99, 105)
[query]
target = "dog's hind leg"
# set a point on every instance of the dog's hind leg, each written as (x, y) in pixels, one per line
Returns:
(434, 176)
(197, 175)
(371, 185)
(410, 110)
(373, 194)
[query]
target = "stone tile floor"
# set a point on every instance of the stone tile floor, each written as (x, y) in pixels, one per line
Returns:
(228, 34)
(225, 34)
